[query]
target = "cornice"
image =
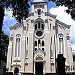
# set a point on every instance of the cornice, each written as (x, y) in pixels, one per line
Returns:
(15, 26)
(51, 15)
(63, 24)
(39, 3)
(31, 14)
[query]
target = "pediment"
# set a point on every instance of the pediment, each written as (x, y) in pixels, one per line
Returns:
(39, 53)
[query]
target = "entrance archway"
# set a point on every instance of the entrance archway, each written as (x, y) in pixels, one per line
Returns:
(39, 68)
(16, 70)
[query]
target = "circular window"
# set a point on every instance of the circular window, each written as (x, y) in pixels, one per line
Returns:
(39, 33)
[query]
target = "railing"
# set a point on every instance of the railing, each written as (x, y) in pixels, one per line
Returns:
(70, 73)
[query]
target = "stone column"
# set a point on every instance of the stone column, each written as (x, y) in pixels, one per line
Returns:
(34, 68)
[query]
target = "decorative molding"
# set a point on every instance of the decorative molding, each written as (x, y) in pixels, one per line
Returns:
(24, 27)
(45, 3)
(60, 35)
(16, 60)
(50, 19)
(26, 57)
(16, 64)
(32, 21)
(39, 51)
(46, 20)
(39, 19)
(15, 26)
(38, 36)
(63, 24)
(26, 63)
(62, 27)
(27, 20)
(49, 14)
(11, 38)
(31, 14)
(54, 27)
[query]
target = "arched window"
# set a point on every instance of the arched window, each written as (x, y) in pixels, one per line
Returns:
(35, 43)
(39, 24)
(35, 49)
(39, 11)
(42, 26)
(42, 43)
(27, 40)
(43, 49)
(35, 26)
(61, 46)
(38, 41)
(17, 50)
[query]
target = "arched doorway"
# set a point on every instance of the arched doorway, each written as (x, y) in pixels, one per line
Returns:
(16, 70)
(39, 68)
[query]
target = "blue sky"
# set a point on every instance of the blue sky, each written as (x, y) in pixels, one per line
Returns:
(59, 11)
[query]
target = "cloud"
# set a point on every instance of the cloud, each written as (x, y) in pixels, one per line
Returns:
(65, 18)
(8, 21)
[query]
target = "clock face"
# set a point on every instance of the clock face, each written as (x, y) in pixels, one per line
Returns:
(39, 33)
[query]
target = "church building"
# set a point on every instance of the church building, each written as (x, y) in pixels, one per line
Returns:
(35, 43)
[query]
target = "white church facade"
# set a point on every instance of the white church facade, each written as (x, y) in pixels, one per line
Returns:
(35, 44)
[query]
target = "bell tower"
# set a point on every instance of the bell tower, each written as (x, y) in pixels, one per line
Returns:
(39, 4)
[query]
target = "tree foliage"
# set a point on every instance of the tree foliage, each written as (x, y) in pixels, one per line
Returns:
(20, 11)
(67, 3)
(19, 7)
(4, 46)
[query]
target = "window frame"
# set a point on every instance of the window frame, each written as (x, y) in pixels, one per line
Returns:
(39, 11)
(17, 47)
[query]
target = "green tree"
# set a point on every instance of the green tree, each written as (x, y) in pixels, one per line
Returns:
(4, 46)
(3, 52)
(19, 8)
(67, 3)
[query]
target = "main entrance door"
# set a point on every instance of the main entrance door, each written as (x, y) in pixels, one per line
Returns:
(39, 68)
